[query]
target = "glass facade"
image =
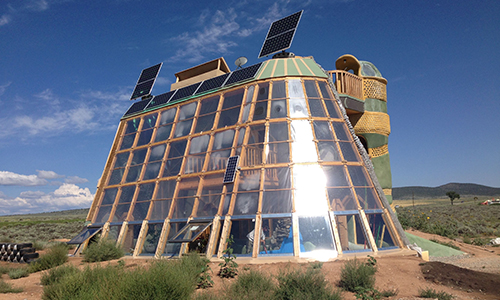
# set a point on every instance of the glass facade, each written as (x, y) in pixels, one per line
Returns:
(301, 177)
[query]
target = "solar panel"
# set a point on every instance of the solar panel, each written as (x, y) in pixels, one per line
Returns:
(160, 99)
(280, 34)
(146, 81)
(137, 106)
(243, 74)
(185, 91)
(212, 83)
(230, 173)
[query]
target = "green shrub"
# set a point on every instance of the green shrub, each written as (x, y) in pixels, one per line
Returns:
(310, 284)
(4, 270)
(251, 285)
(39, 245)
(18, 273)
(480, 241)
(7, 288)
(228, 268)
(431, 293)
(102, 251)
(54, 275)
(356, 274)
(55, 256)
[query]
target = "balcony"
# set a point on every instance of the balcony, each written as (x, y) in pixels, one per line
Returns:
(347, 83)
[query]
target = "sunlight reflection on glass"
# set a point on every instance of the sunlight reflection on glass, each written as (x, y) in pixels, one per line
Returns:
(309, 183)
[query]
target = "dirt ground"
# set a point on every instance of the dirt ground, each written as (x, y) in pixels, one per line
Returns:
(472, 276)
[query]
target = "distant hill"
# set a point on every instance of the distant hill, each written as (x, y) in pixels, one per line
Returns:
(464, 189)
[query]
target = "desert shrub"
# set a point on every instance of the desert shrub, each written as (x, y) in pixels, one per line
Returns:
(251, 285)
(310, 284)
(39, 245)
(56, 274)
(480, 241)
(431, 293)
(102, 251)
(18, 273)
(162, 280)
(7, 288)
(356, 274)
(55, 256)
(229, 267)
(4, 270)
(316, 265)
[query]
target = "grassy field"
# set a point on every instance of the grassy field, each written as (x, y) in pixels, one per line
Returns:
(42, 227)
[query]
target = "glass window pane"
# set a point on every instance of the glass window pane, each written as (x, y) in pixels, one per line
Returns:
(278, 236)
(278, 109)
(275, 202)
(249, 180)
(152, 170)
(190, 232)
(194, 163)
(277, 178)
(149, 121)
(278, 153)
(311, 90)
(212, 184)
(279, 90)
(121, 160)
(121, 212)
(257, 134)
(223, 139)
(348, 151)
(358, 175)
(183, 208)
(367, 198)
(103, 214)
(205, 123)
(248, 100)
(323, 131)
(303, 146)
(166, 189)
(177, 148)
(109, 196)
(160, 209)
(278, 132)
(132, 125)
(260, 111)
(332, 109)
(138, 156)
(229, 117)
(163, 133)
(174, 248)
(310, 196)
(140, 211)
(133, 173)
(232, 99)
(199, 144)
(316, 108)
(130, 239)
(127, 141)
(127, 194)
(187, 111)
(380, 231)
(351, 233)
(157, 152)
(218, 159)
(298, 108)
(116, 176)
(168, 116)
(340, 131)
(183, 128)
(315, 234)
(263, 92)
(242, 232)
(145, 137)
(325, 90)
(328, 151)
(113, 233)
(246, 203)
(188, 186)
(209, 105)
(152, 238)
(341, 199)
(208, 205)
(146, 191)
(335, 176)
(172, 167)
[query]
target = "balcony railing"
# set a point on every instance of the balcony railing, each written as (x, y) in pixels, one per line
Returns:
(347, 83)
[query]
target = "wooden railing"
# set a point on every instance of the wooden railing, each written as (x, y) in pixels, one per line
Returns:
(347, 83)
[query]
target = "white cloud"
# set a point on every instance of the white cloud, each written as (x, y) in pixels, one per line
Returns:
(67, 196)
(75, 179)
(5, 19)
(10, 178)
(48, 174)
(37, 5)
(4, 86)
(162, 81)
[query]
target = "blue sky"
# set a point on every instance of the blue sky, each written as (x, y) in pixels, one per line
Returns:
(67, 69)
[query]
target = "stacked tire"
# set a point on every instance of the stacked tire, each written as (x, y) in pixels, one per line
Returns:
(21, 253)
